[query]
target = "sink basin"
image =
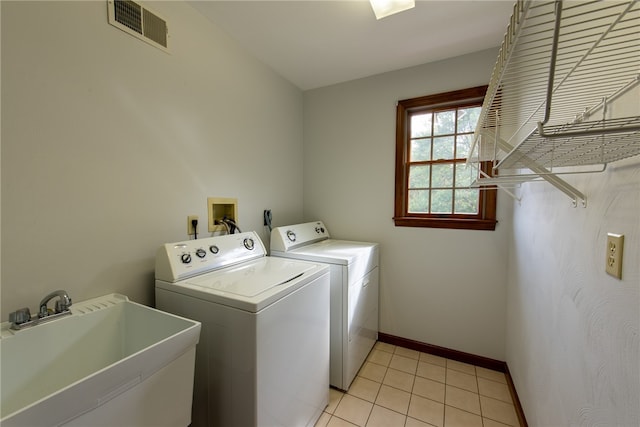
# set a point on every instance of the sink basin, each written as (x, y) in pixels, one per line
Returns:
(111, 362)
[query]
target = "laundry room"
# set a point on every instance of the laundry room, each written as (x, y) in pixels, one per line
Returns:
(109, 144)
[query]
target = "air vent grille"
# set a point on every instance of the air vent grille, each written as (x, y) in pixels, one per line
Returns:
(128, 14)
(155, 28)
(140, 22)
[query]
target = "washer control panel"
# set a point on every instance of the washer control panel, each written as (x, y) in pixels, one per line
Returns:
(180, 260)
(293, 236)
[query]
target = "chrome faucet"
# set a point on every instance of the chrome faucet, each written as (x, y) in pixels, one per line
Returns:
(62, 303)
(22, 318)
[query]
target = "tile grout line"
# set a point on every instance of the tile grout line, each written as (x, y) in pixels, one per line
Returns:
(479, 400)
(376, 398)
(444, 410)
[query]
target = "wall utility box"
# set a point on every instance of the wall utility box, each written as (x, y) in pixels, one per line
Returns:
(218, 208)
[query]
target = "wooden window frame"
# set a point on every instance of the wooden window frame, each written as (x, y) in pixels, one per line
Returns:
(486, 217)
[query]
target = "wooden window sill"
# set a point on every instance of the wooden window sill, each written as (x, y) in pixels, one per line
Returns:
(455, 223)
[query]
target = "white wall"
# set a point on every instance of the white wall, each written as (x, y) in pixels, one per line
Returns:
(573, 345)
(442, 287)
(109, 143)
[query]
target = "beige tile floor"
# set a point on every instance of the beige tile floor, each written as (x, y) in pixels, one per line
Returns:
(398, 387)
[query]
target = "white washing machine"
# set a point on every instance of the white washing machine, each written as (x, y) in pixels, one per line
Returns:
(263, 356)
(354, 291)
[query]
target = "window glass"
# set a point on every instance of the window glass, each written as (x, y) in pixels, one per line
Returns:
(444, 123)
(441, 201)
(465, 174)
(466, 201)
(442, 175)
(420, 125)
(419, 201)
(443, 147)
(467, 119)
(463, 145)
(420, 150)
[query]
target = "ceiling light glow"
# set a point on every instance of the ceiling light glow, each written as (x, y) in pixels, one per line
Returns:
(383, 8)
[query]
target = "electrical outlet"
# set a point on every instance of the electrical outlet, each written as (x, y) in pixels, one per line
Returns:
(190, 230)
(615, 243)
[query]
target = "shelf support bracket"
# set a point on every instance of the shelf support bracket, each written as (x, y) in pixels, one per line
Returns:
(573, 193)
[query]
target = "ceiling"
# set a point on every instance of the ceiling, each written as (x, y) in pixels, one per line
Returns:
(320, 43)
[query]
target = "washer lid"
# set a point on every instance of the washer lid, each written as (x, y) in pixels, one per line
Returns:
(252, 279)
(253, 285)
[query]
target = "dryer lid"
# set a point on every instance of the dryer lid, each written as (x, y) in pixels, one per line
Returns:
(337, 251)
(358, 257)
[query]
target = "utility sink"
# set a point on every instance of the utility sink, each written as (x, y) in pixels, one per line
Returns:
(111, 362)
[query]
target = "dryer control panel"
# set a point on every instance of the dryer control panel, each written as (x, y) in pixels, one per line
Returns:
(286, 238)
(181, 260)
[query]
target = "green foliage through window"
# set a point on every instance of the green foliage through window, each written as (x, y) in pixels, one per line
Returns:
(439, 177)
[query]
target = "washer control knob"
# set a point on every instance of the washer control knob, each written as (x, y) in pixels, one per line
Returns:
(185, 258)
(214, 249)
(248, 243)
(201, 253)
(291, 236)
(319, 230)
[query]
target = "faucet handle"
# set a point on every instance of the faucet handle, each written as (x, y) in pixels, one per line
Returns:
(44, 311)
(63, 304)
(21, 316)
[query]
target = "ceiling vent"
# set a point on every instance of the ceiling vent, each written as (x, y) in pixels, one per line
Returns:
(139, 21)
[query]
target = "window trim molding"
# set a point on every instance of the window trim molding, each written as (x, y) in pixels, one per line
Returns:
(487, 217)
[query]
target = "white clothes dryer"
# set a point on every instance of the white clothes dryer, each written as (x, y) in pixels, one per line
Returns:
(354, 291)
(263, 356)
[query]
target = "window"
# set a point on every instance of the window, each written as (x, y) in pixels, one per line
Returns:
(433, 180)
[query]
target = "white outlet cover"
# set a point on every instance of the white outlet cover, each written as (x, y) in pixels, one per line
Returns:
(613, 256)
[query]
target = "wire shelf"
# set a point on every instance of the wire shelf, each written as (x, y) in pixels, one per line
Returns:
(593, 52)
(578, 144)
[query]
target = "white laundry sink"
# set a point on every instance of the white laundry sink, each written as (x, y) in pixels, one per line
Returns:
(111, 362)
